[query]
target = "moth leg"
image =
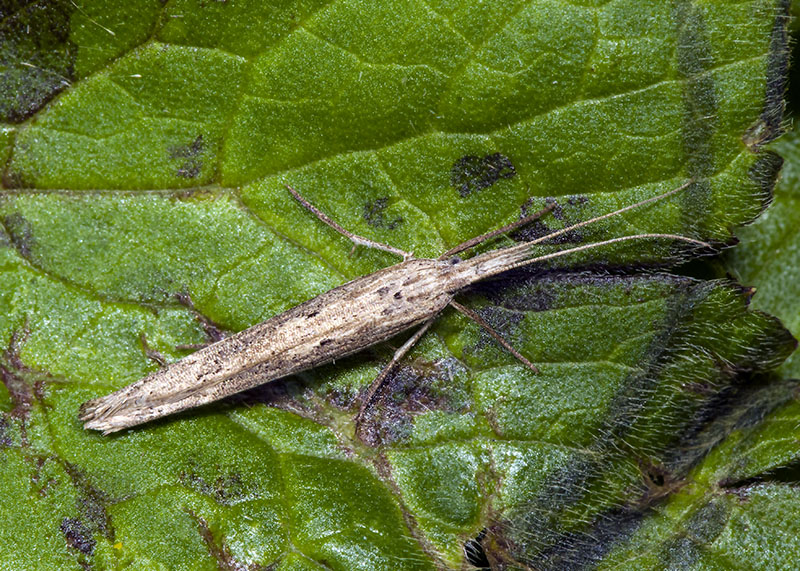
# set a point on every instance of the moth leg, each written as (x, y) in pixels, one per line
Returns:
(497, 337)
(355, 238)
(497, 231)
(379, 380)
(213, 331)
(151, 353)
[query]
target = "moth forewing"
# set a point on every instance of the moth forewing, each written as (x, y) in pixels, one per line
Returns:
(342, 321)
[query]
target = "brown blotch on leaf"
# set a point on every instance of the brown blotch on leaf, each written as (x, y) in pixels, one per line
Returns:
(191, 155)
(406, 391)
(375, 217)
(225, 489)
(78, 535)
(20, 232)
(471, 173)
(12, 375)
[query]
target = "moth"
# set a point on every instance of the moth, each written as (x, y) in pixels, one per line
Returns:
(366, 311)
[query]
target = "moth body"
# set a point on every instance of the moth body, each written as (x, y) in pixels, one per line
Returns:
(342, 321)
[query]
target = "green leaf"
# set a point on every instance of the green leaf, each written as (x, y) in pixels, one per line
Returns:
(739, 507)
(769, 255)
(146, 147)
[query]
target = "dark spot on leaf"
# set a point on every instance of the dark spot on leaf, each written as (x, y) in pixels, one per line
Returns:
(503, 321)
(770, 124)
(700, 106)
(471, 173)
(374, 214)
(764, 172)
(382, 291)
(20, 232)
(91, 502)
(533, 231)
(5, 437)
(191, 157)
(37, 56)
(325, 342)
(537, 229)
(577, 200)
(423, 386)
(398, 295)
(312, 314)
(78, 535)
(474, 552)
(536, 299)
(225, 489)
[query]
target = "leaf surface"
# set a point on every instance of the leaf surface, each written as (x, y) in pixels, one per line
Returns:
(146, 149)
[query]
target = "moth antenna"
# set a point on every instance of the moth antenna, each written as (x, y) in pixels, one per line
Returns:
(497, 231)
(493, 263)
(354, 238)
(612, 214)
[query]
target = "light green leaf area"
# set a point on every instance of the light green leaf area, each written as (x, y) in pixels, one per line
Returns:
(146, 147)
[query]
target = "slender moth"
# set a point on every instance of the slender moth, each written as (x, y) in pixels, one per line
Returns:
(342, 321)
